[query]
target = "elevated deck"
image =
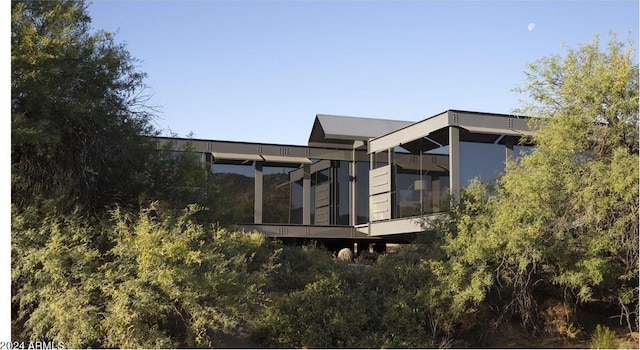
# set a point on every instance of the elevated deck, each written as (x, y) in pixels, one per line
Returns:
(391, 230)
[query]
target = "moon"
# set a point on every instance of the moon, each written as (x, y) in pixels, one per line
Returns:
(531, 26)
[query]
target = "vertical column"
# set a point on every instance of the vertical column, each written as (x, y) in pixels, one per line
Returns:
(257, 203)
(509, 154)
(353, 191)
(454, 163)
(306, 194)
(392, 181)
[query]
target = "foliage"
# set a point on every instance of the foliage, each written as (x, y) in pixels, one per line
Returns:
(563, 221)
(76, 109)
(176, 179)
(388, 303)
(603, 338)
(151, 280)
(55, 277)
(325, 313)
(173, 282)
(584, 172)
(410, 309)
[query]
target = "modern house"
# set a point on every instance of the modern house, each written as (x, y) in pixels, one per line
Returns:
(362, 180)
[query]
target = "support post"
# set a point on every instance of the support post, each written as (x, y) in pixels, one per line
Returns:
(353, 190)
(257, 202)
(509, 153)
(306, 194)
(454, 164)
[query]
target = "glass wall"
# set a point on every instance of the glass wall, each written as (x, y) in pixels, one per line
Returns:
(420, 192)
(276, 194)
(362, 192)
(482, 160)
(295, 213)
(520, 150)
(321, 197)
(410, 185)
(330, 193)
(441, 199)
(341, 187)
(237, 183)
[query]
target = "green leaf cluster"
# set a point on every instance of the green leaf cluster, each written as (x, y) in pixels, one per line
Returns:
(563, 221)
(144, 281)
(77, 109)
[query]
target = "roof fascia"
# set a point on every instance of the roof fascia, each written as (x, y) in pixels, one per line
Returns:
(409, 133)
(487, 123)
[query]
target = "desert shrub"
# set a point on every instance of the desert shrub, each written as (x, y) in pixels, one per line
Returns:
(149, 280)
(172, 282)
(408, 308)
(603, 338)
(56, 277)
(559, 319)
(325, 313)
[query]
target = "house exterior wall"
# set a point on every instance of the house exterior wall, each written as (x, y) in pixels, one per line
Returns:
(369, 188)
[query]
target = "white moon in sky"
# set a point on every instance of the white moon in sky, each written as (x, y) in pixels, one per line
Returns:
(531, 26)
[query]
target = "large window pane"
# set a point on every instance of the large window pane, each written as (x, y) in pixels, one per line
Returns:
(482, 160)
(420, 192)
(295, 216)
(342, 193)
(520, 151)
(276, 194)
(408, 185)
(238, 185)
(362, 189)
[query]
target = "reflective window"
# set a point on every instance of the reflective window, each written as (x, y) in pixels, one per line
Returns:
(410, 184)
(520, 151)
(342, 193)
(295, 215)
(362, 192)
(276, 194)
(420, 192)
(482, 160)
(441, 201)
(237, 183)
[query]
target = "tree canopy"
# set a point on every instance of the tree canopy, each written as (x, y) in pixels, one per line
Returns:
(563, 221)
(77, 108)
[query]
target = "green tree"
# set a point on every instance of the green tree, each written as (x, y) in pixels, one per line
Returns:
(76, 109)
(176, 179)
(563, 221)
(577, 193)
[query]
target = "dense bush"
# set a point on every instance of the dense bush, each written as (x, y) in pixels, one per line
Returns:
(148, 280)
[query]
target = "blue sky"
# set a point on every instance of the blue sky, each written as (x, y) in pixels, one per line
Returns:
(261, 70)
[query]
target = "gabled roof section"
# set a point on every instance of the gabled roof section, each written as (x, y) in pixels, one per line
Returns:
(345, 130)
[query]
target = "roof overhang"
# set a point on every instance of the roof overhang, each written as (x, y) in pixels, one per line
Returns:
(245, 158)
(285, 159)
(479, 127)
(498, 131)
(235, 156)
